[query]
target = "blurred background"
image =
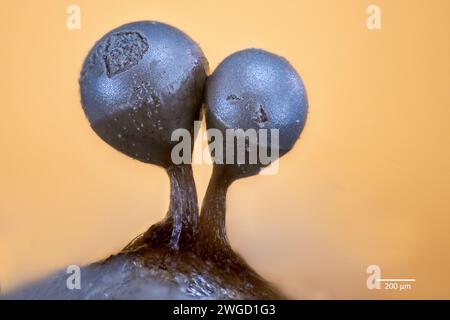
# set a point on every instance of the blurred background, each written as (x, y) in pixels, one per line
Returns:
(367, 183)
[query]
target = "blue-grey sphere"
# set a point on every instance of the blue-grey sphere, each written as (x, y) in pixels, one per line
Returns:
(255, 89)
(139, 83)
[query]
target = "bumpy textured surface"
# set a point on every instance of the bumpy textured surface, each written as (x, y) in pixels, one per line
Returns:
(141, 272)
(118, 277)
(123, 50)
(139, 83)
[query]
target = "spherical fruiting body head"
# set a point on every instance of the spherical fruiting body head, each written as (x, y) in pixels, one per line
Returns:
(255, 91)
(139, 83)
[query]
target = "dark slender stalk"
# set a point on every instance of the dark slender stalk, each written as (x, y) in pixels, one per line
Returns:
(212, 240)
(178, 228)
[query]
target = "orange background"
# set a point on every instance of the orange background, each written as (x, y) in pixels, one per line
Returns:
(368, 183)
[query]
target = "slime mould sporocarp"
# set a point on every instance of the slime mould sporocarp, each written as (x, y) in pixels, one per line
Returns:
(138, 84)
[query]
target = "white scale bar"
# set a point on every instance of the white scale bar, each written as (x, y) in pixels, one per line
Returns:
(395, 280)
